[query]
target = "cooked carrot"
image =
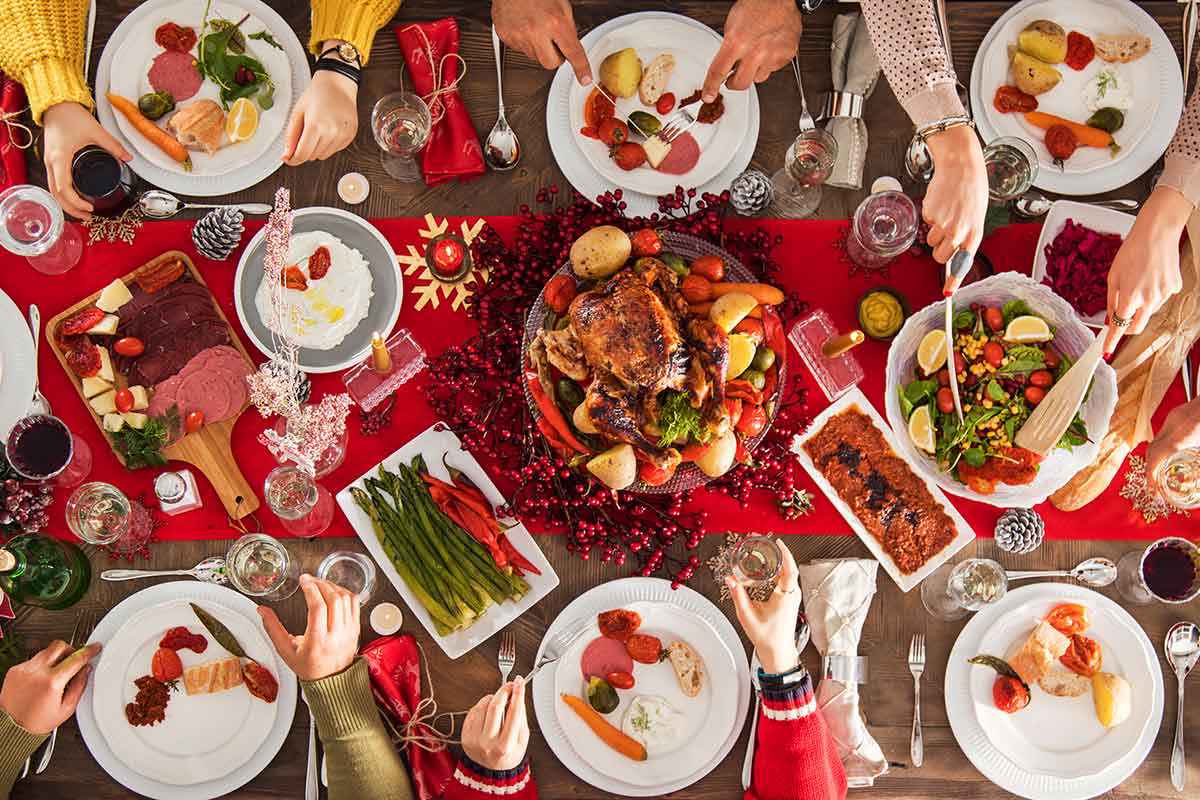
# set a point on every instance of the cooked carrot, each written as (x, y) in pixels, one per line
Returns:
(702, 309)
(146, 127)
(1086, 134)
(610, 735)
(764, 293)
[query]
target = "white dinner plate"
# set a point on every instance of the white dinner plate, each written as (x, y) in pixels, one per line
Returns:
(705, 720)
(123, 67)
(1102, 220)
(619, 778)
(436, 443)
(208, 745)
(18, 370)
(1149, 123)
(1054, 749)
(567, 144)
(693, 48)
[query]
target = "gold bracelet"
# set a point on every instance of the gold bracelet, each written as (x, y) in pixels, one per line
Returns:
(925, 131)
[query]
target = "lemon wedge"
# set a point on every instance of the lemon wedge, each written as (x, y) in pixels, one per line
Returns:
(741, 353)
(1027, 330)
(920, 428)
(931, 353)
(242, 121)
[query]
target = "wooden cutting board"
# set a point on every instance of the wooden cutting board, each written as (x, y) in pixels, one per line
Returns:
(208, 449)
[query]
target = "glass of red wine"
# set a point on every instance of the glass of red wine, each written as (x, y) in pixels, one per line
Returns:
(102, 179)
(40, 447)
(1168, 571)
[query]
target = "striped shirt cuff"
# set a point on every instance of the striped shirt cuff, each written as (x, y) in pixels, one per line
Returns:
(489, 781)
(788, 700)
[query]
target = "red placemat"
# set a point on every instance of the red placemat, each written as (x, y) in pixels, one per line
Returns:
(815, 265)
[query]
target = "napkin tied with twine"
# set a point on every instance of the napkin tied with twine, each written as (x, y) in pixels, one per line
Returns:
(855, 71)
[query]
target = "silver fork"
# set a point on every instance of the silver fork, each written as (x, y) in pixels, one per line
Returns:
(508, 655)
(806, 119)
(916, 665)
(84, 623)
(558, 646)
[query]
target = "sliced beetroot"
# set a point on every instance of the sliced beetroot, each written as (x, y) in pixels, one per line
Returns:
(1077, 265)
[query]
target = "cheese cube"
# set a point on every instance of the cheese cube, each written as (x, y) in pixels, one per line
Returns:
(135, 420)
(95, 386)
(104, 403)
(106, 326)
(656, 150)
(106, 369)
(140, 398)
(113, 422)
(115, 295)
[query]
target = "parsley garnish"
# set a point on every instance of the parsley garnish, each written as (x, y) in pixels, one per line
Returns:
(677, 420)
(265, 36)
(143, 448)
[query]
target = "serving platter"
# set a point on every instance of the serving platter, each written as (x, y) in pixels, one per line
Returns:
(210, 448)
(855, 399)
(436, 443)
(1054, 749)
(208, 745)
(18, 371)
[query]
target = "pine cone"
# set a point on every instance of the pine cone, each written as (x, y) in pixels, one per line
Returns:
(1019, 530)
(218, 233)
(751, 193)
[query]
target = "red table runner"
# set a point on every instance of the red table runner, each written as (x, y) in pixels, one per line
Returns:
(814, 265)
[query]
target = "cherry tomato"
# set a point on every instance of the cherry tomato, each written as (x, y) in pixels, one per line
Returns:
(1009, 99)
(945, 400)
(1053, 359)
(619, 624)
(130, 346)
(1083, 657)
(165, 665)
(1034, 395)
(193, 422)
(124, 401)
(629, 155)
(597, 108)
(752, 421)
(619, 680)
(1009, 694)
(665, 103)
(1042, 379)
(993, 353)
(696, 289)
(644, 649)
(1080, 51)
(559, 292)
(711, 267)
(612, 131)
(993, 318)
(960, 363)
(653, 475)
(646, 242)
(1069, 618)
(1061, 142)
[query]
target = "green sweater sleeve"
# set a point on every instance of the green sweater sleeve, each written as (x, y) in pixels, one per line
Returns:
(16, 745)
(362, 762)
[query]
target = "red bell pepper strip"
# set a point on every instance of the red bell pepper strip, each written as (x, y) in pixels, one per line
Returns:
(551, 412)
(773, 333)
(552, 436)
(515, 558)
(744, 391)
(478, 530)
(481, 507)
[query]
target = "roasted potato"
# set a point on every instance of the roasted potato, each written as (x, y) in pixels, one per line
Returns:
(1033, 76)
(730, 309)
(1044, 40)
(718, 457)
(600, 252)
(616, 467)
(1113, 698)
(582, 420)
(621, 72)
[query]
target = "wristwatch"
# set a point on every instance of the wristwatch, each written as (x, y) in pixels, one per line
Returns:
(343, 59)
(346, 52)
(808, 6)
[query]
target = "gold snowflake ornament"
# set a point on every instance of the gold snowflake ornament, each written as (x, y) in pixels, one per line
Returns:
(427, 287)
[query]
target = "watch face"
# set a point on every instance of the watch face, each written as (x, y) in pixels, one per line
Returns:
(809, 6)
(348, 52)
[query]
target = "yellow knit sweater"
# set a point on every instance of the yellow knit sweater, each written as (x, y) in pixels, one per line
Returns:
(48, 55)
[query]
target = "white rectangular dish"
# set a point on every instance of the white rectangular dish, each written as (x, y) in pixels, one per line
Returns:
(434, 443)
(856, 399)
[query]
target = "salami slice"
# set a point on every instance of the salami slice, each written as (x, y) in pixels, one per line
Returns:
(175, 73)
(207, 392)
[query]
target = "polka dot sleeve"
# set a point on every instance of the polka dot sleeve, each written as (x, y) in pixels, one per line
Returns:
(1181, 170)
(906, 38)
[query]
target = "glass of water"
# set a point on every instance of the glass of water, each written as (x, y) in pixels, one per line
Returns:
(352, 571)
(807, 165)
(756, 560)
(401, 124)
(955, 590)
(1178, 479)
(260, 566)
(99, 513)
(884, 226)
(1012, 167)
(304, 507)
(32, 225)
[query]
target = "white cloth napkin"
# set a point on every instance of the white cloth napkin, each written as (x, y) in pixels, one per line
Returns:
(837, 596)
(855, 70)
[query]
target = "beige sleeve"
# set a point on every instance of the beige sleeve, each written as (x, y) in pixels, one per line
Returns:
(1181, 170)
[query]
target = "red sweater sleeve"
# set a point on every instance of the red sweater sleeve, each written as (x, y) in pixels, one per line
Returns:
(794, 757)
(474, 782)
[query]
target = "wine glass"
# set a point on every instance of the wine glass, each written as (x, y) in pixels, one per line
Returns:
(32, 225)
(401, 124)
(1012, 167)
(884, 226)
(1178, 479)
(99, 513)
(756, 559)
(955, 590)
(303, 506)
(807, 165)
(1168, 570)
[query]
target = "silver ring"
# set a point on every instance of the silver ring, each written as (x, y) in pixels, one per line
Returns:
(789, 591)
(1120, 322)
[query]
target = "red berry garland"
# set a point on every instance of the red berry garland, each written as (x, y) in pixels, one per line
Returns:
(478, 391)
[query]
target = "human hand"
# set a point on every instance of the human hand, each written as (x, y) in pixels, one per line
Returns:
(496, 730)
(67, 129)
(1180, 430)
(544, 30)
(324, 120)
(771, 626)
(330, 640)
(760, 37)
(42, 693)
(1145, 272)
(957, 199)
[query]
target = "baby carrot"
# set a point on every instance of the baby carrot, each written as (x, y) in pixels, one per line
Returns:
(146, 127)
(764, 293)
(608, 733)
(1086, 134)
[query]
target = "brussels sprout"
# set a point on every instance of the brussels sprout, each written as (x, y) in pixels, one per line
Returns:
(569, 393)
(764, 358)
(754, 377)
(154, 105)
(646, 123)
(1107, 119)
(602, 696)
(675, 262)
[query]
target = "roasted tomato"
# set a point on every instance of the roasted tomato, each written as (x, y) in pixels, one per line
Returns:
(318, 263)
(619, 624)
(589, 132)
(665, 103)
(1042, 378)
(165, 664)
(170, 36)
(752, 421)
(1083, 657)
(993, 318)
(945, 400)
(1009, 99)
(180, 638)
(1069, 618)
(993, 353)
(260, 681)
(1034, 395)
(711, 267)
(629, 155)
(124, 401)
(596, 109)
(646, 242)
(293, 278)
(130, 346)
(612, 131)
(559, 292)
(1061, 142)
(1009, 694)
(619, 680)
(644, 649)
(193, 422)
(80, 322)
(652, 475)
(1080, 51)
(696, 289)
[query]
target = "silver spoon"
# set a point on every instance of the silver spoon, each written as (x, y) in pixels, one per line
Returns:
(803, 633)
(1092, 572)
(211, 570)
(1182, 647)
(157, 204)
(502, 151)
(1034, 204)
(39, 404)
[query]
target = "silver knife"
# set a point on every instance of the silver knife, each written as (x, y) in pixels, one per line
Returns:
(956, 269)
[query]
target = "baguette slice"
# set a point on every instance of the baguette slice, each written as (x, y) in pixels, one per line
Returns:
(655, 78)
(1064, 683)
(1122, 49)
(688, 666)
(1040, 653)
(213, 676)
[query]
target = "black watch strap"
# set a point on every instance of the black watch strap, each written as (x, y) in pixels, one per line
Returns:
(808, 6)
(341, 67)
(341, 50)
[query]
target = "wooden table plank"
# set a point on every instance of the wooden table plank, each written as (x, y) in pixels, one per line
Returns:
(894, 616)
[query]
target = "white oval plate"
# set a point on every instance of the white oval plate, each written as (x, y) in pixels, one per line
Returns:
(1149, 124)
(1053, 749)
(201, 750)
(19, 371)
(620, 594)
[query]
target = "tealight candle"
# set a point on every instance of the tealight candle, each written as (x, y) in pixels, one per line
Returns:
(386, 619)
(353, 188)
(448, 257)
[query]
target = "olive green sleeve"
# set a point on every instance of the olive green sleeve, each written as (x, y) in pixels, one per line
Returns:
(16, 745)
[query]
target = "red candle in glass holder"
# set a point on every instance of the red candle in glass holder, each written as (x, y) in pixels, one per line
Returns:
(448, 257)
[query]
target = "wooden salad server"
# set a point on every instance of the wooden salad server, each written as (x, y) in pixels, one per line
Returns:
(1050, 420)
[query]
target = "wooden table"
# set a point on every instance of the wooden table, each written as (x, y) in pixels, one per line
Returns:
(894, 617)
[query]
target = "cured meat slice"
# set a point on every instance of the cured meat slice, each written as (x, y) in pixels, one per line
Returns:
(604, 655)
(175, 73)
(205, 391)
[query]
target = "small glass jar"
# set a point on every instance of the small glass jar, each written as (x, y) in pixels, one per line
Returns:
(177, 492)
(98, 513)
(352, 571)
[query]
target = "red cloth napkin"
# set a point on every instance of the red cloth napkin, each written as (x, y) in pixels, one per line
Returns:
(453, 149)
(12, 158)
(394, 663)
